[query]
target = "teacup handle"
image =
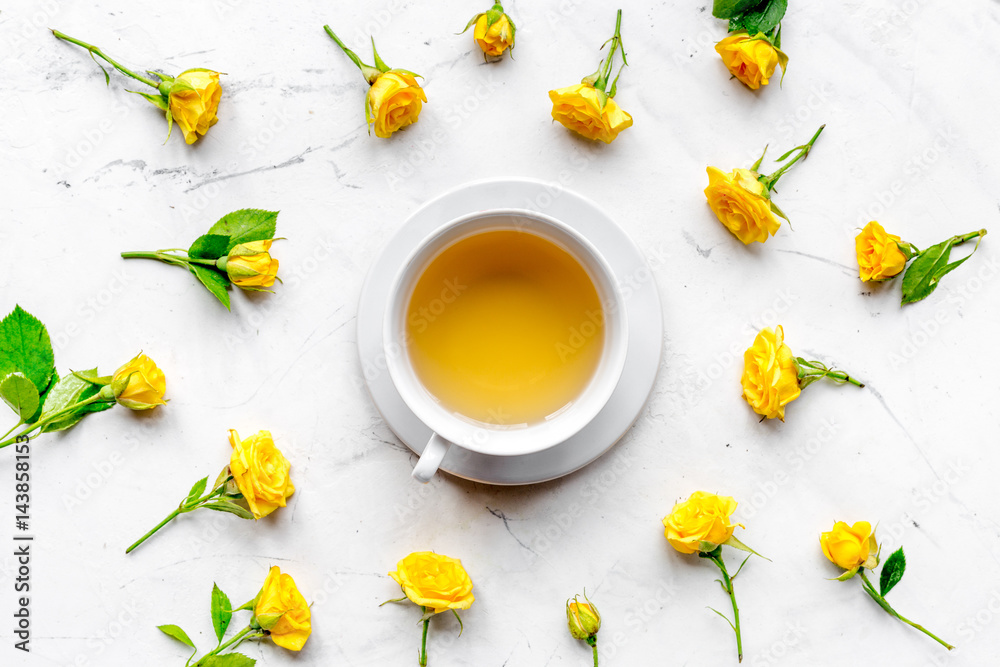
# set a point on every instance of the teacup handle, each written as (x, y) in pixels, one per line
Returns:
(430, 459)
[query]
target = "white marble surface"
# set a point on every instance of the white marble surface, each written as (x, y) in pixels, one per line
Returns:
(906, 91)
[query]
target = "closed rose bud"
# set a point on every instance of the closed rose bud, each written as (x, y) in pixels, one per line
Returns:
(250, 265)
(752, 60)
(494, 32)
(770, 374)
(282, 612)
(850, 547)
(583, 618)
(741, 203)
(261, 472)
(139, 384)
(193, 100)
(879, 254)
(700, 523)
(394, 101)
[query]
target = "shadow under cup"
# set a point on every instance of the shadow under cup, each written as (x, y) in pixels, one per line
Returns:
(515, 277)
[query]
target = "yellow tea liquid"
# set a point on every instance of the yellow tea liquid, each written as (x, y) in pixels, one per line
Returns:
(505, 327)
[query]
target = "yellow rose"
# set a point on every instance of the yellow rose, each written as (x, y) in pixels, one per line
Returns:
(282, 612)
(394, 101)
(583, 618)
(139, 384)
(700, 523)
(494, 39)
(436, 582)
(850, 547)
(879, 256)
(752, 60)
(742, 204)
(250, 265)
(770, 374)
(260, 472)
(589, 112)
(193, 100)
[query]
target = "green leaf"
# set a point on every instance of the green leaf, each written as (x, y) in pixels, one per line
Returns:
(727, 9)
(67, 391)
(196, 490)
(892, 571)
(763, 18)
(245, 225)
(209, 246)
(232, 508)
(25, 348)
(222, 611)
(176, 633)
(216, 283)
(21, 395)
(922, 276)
(228, 660)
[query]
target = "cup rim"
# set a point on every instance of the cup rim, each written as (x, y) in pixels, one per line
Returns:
(516, 439)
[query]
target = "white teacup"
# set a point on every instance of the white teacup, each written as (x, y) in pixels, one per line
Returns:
(454, 429)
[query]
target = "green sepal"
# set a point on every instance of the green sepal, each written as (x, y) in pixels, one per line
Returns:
(777, 211)
(379, 64)
(157, 101)
(909, 251)
(849, 574)
(471, 23)
(268, 621)
(102, 381)
(232, 508)
(736, 544)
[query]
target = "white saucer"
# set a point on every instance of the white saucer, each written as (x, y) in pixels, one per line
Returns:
(642, 303)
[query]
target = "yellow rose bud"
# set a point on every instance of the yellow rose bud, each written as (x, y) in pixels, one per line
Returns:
(282, 612)
(394, 101)
(583, 618)
(589, 112)
(879, 256)
(752, 60)
(742, 204)
(700, 523)
(193, 100)
(850, 547)
(139, 384)
(250, 265)
(261, 472)
(436, 582)
(770, 374)
(494, 38)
